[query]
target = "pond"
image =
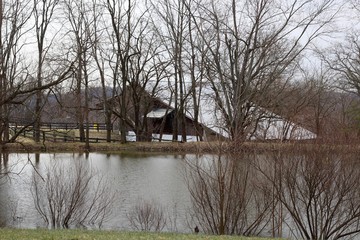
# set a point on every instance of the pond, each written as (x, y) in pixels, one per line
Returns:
(158, 179)
(255, 194)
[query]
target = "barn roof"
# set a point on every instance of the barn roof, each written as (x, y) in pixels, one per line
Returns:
(159, 113)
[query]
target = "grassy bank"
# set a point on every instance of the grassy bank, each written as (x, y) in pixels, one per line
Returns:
(26, 144)
(41, 234)
(174, 147)
(30, 146)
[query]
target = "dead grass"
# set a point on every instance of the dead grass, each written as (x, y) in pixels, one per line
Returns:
(31, 146)
(174, 147)
(28, 145)
(9, 234)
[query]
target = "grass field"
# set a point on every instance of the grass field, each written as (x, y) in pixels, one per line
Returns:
(41, 234)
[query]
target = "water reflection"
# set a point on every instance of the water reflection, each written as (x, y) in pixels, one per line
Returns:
(275, 187)
(150, 177)
(4, 166)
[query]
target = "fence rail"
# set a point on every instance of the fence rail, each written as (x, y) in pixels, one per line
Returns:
(52, 131)
(65, 126)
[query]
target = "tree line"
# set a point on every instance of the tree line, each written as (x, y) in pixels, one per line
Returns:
(239, 57)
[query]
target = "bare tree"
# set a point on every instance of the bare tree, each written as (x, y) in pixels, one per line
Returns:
(100, 54)
(320, 102)
(252, 45)
(81, 29)
(142, 69)
(196, 65)
(13, 20)
(43, 14)
(71, 196)
(123, 25)
(345, 63)
(172, 27)
(310, 103)
(318, 189)
(147, 70)
(17, 83)
(226, 196)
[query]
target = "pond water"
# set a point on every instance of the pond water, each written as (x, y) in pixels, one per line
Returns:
(245, 183)
(155, 178)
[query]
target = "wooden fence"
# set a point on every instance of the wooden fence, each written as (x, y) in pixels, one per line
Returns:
(64, 126)
(58, 132)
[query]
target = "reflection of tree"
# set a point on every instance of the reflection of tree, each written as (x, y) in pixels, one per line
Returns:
(5, 204)
(147, 216)
(71, 196)
(4, 166)
(3, 217)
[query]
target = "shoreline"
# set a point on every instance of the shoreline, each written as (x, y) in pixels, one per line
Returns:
(189, 147)
(171, 147)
